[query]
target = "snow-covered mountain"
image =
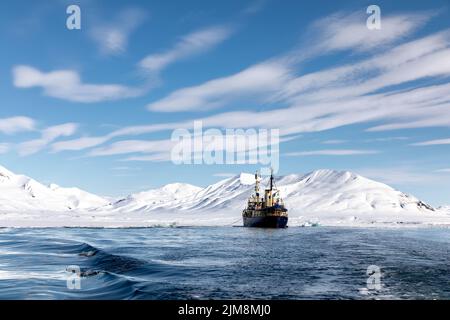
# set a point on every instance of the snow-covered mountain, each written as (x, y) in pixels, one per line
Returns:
(325, 197)
(79, 199)
(445, 209)
(21, 193)
(319, 191)
(156, 198)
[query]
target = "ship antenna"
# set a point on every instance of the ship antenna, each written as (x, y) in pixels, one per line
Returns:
(271, 179)
(256, 185)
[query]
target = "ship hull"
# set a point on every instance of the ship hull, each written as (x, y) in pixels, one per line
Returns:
(266, 222)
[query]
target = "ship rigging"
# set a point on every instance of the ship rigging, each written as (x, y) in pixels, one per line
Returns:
(267, 211)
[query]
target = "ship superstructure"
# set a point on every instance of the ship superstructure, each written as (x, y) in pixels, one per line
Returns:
(267, 211)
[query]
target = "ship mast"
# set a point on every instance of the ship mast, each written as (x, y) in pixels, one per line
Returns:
(271, 179)
(257, 186)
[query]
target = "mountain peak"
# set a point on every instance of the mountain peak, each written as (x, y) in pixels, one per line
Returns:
(325, 196)
(54, 186)
(179, 187)
(247, 178)
(330, 172)
(330, 176)
(20, 192)
(318, 192)
(5, 172)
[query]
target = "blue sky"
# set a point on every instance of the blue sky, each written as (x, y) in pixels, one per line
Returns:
(95, 107)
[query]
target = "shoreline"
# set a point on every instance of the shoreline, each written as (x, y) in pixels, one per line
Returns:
(186, 226)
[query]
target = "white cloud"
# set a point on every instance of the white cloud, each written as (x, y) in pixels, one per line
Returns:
(78, 144)
(112, 37)
(446, 170)
(189, 45)
(386, 139)
(256, 80)
(156, 157)
(273, 80)
(317, 116)
(48, 135)
(62, 130)
(332, 152)
(16, 124)
(343, 31)
(90, 142)
(160, 150)
(254, 7)
(334, 141)
(134, 146)
(31, 147)
(308, 118)
(125, 168)
(67, 85)
(339, 97)
(418, 59)
(359, 92)
(224, 175)
(432, 142)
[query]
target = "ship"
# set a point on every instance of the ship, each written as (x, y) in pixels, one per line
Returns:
(268, 211)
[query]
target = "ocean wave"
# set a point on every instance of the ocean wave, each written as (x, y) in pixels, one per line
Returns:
(223, 263)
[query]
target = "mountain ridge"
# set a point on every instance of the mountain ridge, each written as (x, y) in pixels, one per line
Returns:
(342, 190)
(20, 192)
(325, 197)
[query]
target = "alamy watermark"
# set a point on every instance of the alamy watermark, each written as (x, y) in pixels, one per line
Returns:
(229, 146)
(374, 279)
(374, 20)
(73, 21)
(373, 282)
(73, 281)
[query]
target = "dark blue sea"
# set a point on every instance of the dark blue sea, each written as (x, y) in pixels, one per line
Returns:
(224, 263)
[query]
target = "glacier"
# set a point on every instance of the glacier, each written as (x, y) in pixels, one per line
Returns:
(322, 197)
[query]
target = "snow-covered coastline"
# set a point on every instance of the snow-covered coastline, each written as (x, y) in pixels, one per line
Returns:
(320, 198)
(78, 219)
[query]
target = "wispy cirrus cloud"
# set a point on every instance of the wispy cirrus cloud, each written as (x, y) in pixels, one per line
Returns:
(275, 77)
(134, 146)
(432, 142)
(340, 96)
(189, 45)
(112, 36)
(258, 79)
(67, 85)
(254, 7)
(161, 150)
(112, 39)
(309, 117)
(16, 124)
(359, 92)
(343, 31)
(224, 174)
(334, 141)
(90, 142)
(331, 152)
(125, 168)
(386, 139)
(310, 97)
(78, 144)
(48, 135)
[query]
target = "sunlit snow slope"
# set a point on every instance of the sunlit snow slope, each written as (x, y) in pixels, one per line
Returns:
(21, 193)
(323, 197)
